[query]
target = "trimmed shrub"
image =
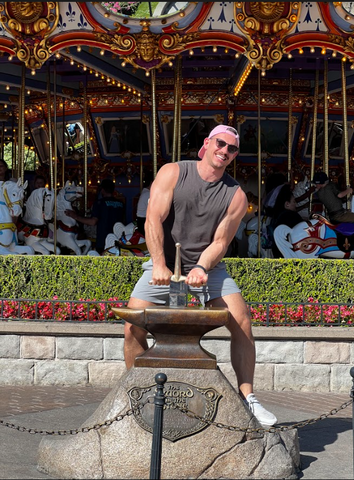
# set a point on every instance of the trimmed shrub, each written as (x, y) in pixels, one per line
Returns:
(100, 278)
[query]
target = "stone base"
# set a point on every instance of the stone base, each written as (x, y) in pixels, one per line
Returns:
(122, 450)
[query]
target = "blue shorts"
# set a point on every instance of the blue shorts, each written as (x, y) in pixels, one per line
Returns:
(219, 285)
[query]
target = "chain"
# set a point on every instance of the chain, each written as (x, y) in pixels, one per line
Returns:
(281, 428)
(189, 413)
(75, 431)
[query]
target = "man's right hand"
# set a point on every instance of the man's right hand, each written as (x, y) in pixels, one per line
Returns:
(161, 276)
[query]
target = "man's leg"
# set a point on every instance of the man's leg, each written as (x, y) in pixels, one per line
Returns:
(243, 355)
(135, 342)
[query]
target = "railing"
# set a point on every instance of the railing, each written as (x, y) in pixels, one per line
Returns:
(263, 314)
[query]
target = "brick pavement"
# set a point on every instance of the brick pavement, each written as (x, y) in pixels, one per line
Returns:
(16, 400)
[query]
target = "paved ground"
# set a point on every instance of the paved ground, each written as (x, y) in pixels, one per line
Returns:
(326, 446)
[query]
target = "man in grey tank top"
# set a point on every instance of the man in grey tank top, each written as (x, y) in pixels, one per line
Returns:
(200, 206)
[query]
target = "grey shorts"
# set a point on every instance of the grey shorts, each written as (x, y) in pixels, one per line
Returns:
(219, 284)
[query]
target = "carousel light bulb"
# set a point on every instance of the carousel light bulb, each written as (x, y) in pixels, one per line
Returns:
(312, 49)
(215, 49)
(170, 64)
(57, 55)
(102, 52)
(301, 51)
(96, 74)
(123, 63)
(118, 84)
(129, 89)
(124, 87)
(84, 68)
(323, 51)
(289, 55)
(7, 87)
(237, 55)
(334, 54)
(147, 73)
(226, 50)
(5, 106)
(72, 62)
(28, 92)
(263, 73)
(191, 52)
(78, 48)
(344, 59)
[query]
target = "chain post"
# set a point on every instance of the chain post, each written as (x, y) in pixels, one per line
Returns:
(352, 397)
(156, 448)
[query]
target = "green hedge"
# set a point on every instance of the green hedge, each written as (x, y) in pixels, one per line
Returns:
(101, 278)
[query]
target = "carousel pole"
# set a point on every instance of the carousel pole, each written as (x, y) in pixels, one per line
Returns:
(259, 166)
(21, 126)
(55, 149)
(290, 122)
(154, 123)
(50, 130)
(175, 115)
(345, 126)
(85, 150)
(179, 110)
(325, 119)
(15, 172)
(63, 148)
(314, 133)
(141, 146)
(2, 140)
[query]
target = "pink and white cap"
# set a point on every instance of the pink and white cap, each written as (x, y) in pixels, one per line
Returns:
(221, 129)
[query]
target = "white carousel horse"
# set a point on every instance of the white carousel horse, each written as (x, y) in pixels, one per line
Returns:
(67, 227)
(251, 231)
(11, 201)
(125, 241)
(33, 228)
(316, 238)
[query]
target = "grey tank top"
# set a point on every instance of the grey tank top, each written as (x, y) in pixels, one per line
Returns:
(196, 211)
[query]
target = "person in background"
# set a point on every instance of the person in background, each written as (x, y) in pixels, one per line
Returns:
(106, 211)
(143, 203)
(4, 171)
(39, 182)
(199, 205)
(284, 213)
(332, 198)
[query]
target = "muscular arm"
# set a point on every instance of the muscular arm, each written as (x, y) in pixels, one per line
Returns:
(159, 205)
(223, 236)
(347, 191)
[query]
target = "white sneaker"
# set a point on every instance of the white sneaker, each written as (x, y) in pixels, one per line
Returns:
(265, 418)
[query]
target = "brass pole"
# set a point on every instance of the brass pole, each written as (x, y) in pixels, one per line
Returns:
(345, 127)
(55, 151)
(21, 126)
(325, 119)
(141, 146)
(175, 115)
(2, 140)
(50, 130)
(154, 123)
(63, 148)
(85, 150)
(179, 108)
(290, 137)
(314, 133)
(259, 165)
(14, 150)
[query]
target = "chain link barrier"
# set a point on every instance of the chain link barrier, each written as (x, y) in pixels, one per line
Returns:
(186, 411)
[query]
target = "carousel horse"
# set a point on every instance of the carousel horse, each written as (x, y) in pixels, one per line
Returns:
(11, 200)
(251, 232)
(67, 227)
(125, 241)
(33, 228)
(316, 238)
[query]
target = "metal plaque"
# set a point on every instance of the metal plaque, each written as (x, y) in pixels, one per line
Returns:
(176, 424)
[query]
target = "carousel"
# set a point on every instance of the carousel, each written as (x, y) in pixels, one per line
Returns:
(95, 90)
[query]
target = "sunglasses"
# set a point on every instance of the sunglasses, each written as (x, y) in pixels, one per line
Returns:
(232, 149)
